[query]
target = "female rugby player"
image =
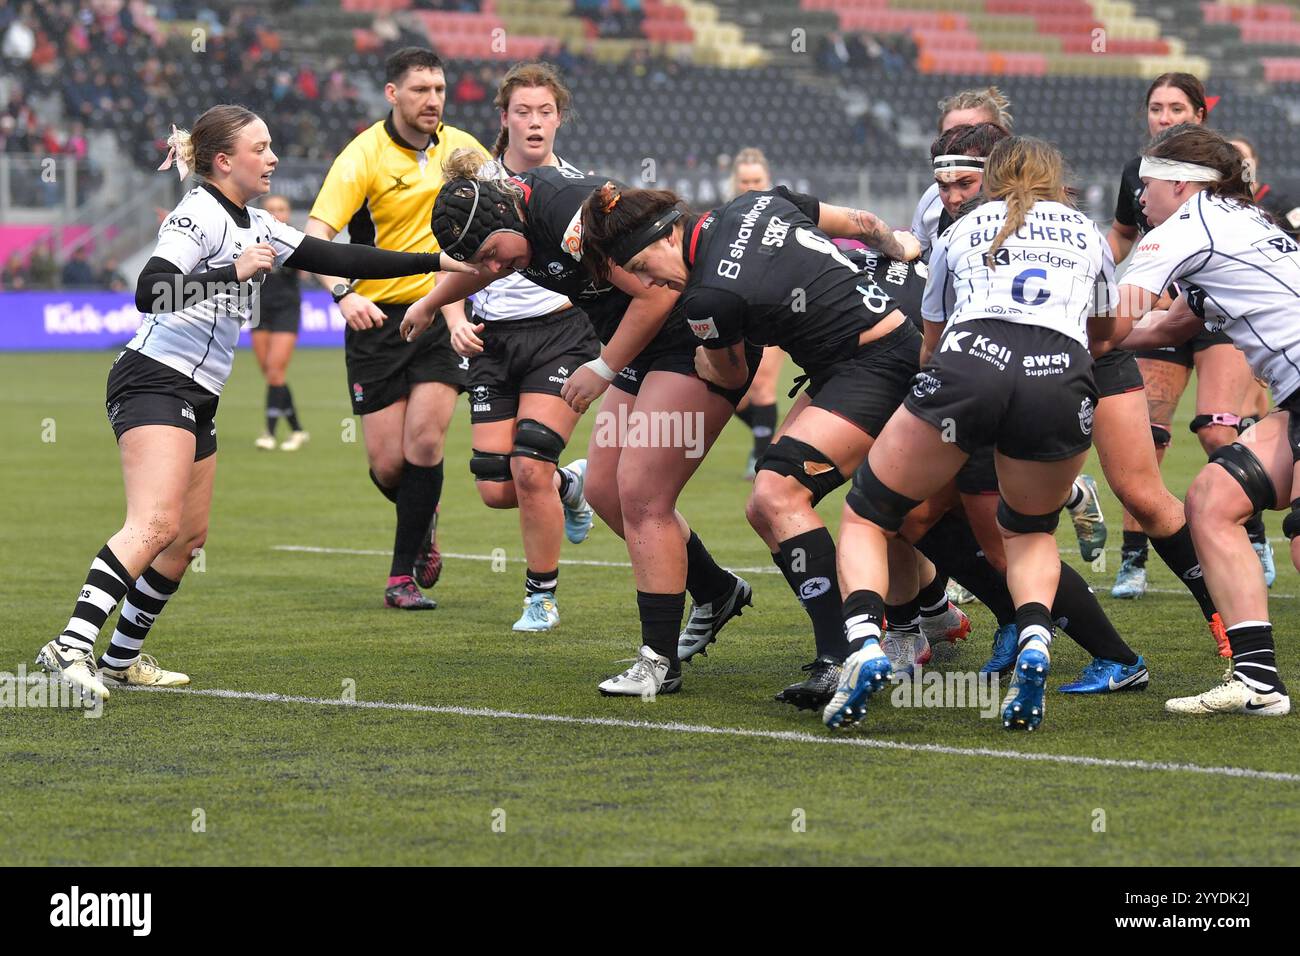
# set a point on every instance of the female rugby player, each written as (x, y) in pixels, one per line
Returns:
(1223, 380)
(196, 291)
(521, 345)
(1237, 273)
(1013, 370)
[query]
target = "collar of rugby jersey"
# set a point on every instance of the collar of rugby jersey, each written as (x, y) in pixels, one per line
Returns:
(238, 213)
(391, 129)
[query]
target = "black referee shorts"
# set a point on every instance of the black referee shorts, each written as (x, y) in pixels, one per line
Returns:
(527, 355)
(383, 367)
(144, 391)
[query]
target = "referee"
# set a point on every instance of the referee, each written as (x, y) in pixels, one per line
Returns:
(382, 187)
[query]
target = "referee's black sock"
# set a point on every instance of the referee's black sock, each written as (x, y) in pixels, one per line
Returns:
(808, 561)
(1079, 615)
(952, 547)
(1179, 553)
(762, 419)
(661, 621)
(705, 580)
(417, 499)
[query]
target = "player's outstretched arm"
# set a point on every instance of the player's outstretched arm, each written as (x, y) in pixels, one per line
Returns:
(452, 288)
(839, 222)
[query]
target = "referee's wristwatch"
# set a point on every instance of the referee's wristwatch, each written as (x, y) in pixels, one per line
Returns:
(340, 289)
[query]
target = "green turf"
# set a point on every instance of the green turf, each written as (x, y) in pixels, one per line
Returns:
(302, 783)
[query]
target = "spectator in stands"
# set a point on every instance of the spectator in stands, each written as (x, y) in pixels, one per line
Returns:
(833, 53)
(77, 271)
(468, 89)
(110, 277)
(15, 275)
(20, 38)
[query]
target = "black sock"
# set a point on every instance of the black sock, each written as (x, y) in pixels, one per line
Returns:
(661, 621)
(1033, 620)
(1135, 546)
(810, 558)
(287, 409)
(1255, 529)
(1253, 660)
(535, 582)
(864, 616)
(763, 422)
(704, 579)
(272, 408)
(746, 415)
(1081, 616)
(1179, 553)
(144, 602)
(106, 584)
(785, 572)
(952, 547)
(933, 597)
(389, 493)
(417, 499)
(904, 617)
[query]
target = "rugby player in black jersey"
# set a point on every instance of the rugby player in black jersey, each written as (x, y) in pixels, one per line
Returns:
(532, 223)
(762, 270)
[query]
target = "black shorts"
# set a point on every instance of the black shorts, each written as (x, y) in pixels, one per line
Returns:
(1025, 389)
(527, 355)
(867, 388)
(682, 361)
(978, 476)
(144, 391)
(278, 320)
(1185, 354)
(1116, 373)
(383, 367)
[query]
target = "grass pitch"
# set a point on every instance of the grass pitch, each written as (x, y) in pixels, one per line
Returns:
(460, 778)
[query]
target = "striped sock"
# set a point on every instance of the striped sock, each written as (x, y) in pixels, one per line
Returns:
(1254, 662)
(106, 584)
(1035, 624)
(864, 613)
(144, 602)
(535, 582)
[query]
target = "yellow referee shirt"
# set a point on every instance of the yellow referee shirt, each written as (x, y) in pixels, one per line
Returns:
(382, 188)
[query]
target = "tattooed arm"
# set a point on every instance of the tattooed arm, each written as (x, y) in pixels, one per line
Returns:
(840, 222)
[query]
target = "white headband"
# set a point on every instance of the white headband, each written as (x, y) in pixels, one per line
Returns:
(1176, 172)
(959, 163)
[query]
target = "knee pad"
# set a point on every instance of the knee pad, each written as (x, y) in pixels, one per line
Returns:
(1291, 524)
(535, 440)
(870, 498)
(1218, 418)
(1162, 436)
(1240, 462)
(1021, 523)
(490, 466)
(802, 462)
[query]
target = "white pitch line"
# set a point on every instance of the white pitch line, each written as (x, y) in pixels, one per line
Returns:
(784, 736)
(766, 569)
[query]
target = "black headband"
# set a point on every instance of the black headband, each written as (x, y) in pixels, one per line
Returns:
(621, 250)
